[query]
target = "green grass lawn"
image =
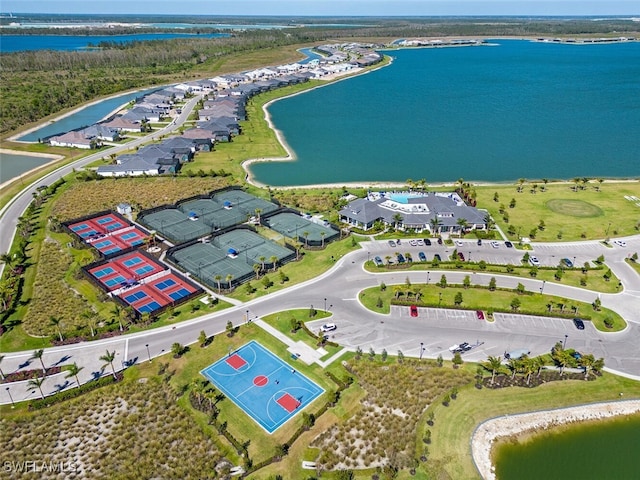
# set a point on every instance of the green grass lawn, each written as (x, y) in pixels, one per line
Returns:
(450, 455)
(597, 211)
(593, 279)
(479, 298)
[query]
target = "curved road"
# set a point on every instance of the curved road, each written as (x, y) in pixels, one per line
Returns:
(434, 329)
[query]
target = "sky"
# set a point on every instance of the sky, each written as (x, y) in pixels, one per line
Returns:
(328, 7)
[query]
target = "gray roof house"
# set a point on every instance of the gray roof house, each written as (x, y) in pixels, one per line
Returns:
(413, 210)
(101, 132)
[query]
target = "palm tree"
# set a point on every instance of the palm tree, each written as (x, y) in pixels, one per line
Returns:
(600, 180)
(36, 382)
(586, 362)
(262, 260)
(544, 187)
(322, 234)
(109, 357)
(228, 279)
(217, 278)
(397, 219)
(74, 370)
(306, 239)
(521, 184)
(529, 366)
(463, 224)
(274, 262)
(55, 322)
(538, 363)
(493, 364)
(7, 259)
(88, 315)
(576, 181)
(38, 354)
(435, 225)
(258, 212)
(256, 268)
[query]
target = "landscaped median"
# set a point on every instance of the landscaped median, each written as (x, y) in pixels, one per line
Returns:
(474, 297)
(599, 278)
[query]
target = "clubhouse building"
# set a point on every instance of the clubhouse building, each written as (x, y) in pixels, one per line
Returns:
(435, 212)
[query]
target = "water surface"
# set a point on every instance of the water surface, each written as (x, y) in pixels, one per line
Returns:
(489, 113)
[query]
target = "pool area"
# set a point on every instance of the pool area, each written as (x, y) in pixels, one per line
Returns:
(402, 197)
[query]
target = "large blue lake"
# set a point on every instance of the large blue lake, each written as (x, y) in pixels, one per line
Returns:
(491, 113)
(17, 43)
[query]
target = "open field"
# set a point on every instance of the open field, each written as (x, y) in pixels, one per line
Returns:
(570, 211)
(481, 298)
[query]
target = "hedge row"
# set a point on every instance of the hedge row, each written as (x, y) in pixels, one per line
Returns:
(74, 392)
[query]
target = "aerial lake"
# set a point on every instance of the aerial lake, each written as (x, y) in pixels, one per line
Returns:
(592, 451)
(518, 109)
(14, 165)
(18, 43)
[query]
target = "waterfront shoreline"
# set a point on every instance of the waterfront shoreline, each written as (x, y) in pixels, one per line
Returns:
(486, 434)
(54, 158)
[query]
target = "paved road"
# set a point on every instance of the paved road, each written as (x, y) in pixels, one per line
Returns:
(435, 329)
(12, 211)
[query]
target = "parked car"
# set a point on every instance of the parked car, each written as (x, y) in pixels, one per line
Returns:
(461, 256)
(508, 244)
(414, 310)
(413, 243)
(459, 243)
(533, 260)
(620, 243)
(439, 241)
(392, 243)
(480, 314)
(378, 261)
(422, 256)
(420, 242)
(437, 257)
(479, 242)
(398, 242)
(578, 323)
(576, 355)
(400, 258)
(495, 244)
(328, 327)
(427, 242)
(568, 263)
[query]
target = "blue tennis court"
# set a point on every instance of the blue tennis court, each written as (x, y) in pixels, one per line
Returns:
(104, 220)
(269, 390)
(112, 282)
(165, 284)
(149, 307)
(177, 295)
(143, 270)
(103, 272)
(134, 297)
(132, 261)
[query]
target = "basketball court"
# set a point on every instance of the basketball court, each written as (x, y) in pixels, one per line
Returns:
(269, 390)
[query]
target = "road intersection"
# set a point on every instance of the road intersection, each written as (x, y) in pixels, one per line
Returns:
(434, 329)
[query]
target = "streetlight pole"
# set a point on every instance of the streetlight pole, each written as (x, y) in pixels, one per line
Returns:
(542, 287)
(13, 405)
(247, 316)
(440, 299)
(564, 345)
(428, 274)
(368, 256)
(469, 257)
(325, 304)
(148, 352)
(421, 349)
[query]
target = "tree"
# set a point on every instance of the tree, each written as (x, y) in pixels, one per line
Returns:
(274, 262)
(493, 364)
(322, 235)
(400, 356)
(397, 220)
(457, 360)
(492, 283)
(466, 283)
(55, 322)
(228, 279)
(586, 362)
(463, 223)
(36, 382)
(202, 338)
(458, 298)
(383, 355)
(435, 225)
(257, 268)
(229, 328)
(305, 234)
(515, 304)
(443, 281)
(38, 355)
(73, 371)
(520, 288)
(88, 315)
(177, 349)
(217, 278)
(262, 260)
(512, 204)
(108, 358)
(440, 360)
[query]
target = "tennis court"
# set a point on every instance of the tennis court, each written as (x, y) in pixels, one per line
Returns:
(304, 229)
(231, 256)
(175, 225)
(265, 387)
